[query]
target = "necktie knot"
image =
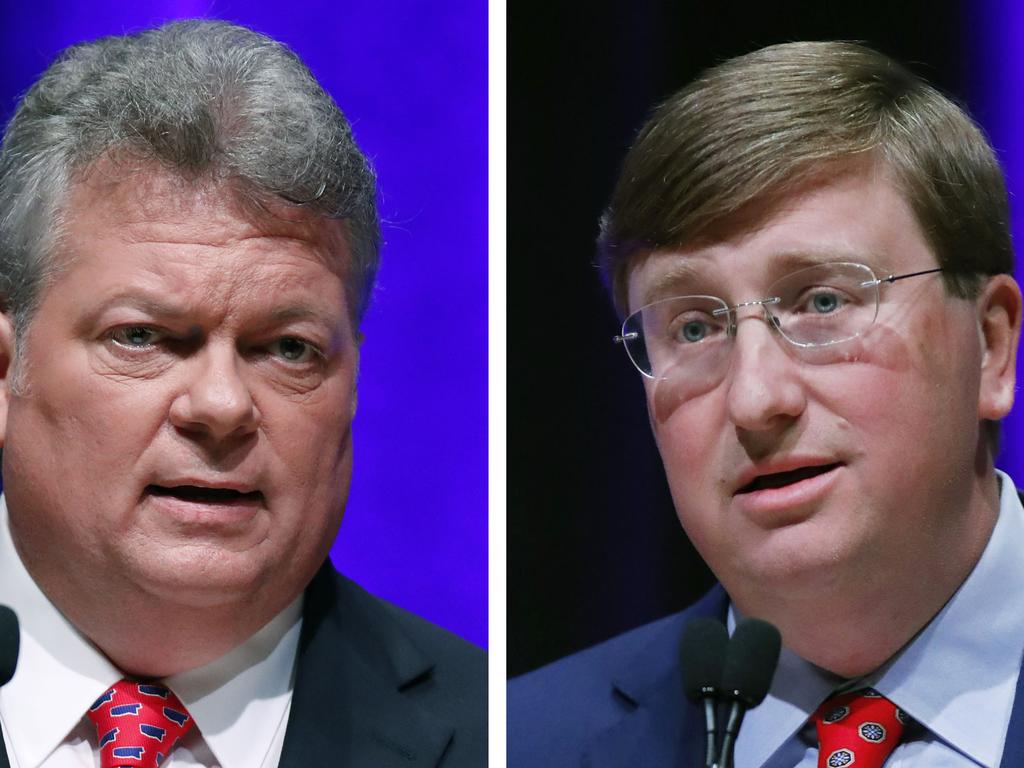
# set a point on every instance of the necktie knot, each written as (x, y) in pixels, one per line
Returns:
(138, 724)
(862, 728)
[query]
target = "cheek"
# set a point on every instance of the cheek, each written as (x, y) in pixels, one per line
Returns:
(690, 436)
(81, 422)
(900, 412)
(668, 395)
(67, 438)
(312, 469)
(920, 376)
(312, 438)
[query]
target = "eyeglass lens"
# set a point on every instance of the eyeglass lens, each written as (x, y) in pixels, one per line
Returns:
(691, 336)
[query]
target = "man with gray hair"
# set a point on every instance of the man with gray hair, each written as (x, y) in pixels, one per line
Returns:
(809, 249)
(188, 241)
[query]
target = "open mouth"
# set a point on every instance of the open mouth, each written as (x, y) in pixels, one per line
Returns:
(782, 479)
(203, 495)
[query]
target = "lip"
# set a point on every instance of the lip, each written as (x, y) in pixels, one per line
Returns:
(218, 484)
(778, 505)
(776, 466)
(225, 513)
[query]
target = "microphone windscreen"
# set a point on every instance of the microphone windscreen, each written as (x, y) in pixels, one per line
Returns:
(751, 661)
(9, 644)
(702, 653)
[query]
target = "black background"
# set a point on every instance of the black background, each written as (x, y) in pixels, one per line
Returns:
(594, 547)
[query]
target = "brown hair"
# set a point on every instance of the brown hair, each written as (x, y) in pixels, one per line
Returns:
(765, 122)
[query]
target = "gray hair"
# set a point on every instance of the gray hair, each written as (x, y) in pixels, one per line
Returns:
(205, 99)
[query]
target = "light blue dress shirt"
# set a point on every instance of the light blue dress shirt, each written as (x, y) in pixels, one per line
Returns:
(957, 678)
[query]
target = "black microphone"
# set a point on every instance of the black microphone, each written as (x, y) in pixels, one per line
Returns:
(10, 644)
(702, 650)
(747, 675)
(10, 640)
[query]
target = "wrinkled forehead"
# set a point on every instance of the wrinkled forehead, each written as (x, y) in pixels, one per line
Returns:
(119, 197)
(202, 240)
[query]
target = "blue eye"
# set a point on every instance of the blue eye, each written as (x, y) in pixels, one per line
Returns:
(136, 336)
(825, 303)
(692, 331)
(293, 350)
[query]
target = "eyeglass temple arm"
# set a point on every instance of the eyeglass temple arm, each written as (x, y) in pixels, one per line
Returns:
(624, 337)
(894, 278)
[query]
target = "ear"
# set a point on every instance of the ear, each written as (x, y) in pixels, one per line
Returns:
(6, 369)
(999, 320)
(355, 376)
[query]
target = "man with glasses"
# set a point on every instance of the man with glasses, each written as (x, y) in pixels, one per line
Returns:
(809, 247)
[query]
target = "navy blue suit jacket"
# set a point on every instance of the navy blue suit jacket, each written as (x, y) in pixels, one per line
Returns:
(621, 704)
(376, 687)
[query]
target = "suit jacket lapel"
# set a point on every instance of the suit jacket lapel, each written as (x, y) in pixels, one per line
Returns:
(357, 671)
(659, 726)
(1013, 749)
(664, 730)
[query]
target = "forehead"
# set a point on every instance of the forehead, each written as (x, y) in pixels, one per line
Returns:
(114, 198)
(129, 229)
(858, 216)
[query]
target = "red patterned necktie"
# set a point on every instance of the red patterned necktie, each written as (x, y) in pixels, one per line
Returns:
(861, 728)
(138, 724)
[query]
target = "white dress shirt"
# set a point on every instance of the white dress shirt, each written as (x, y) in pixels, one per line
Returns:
(239, 702)
(957, 677)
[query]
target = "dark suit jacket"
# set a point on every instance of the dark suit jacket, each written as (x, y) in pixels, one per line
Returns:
(621, 704)
(376, 686)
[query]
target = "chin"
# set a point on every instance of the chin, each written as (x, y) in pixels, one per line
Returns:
(204, 577)
(794, 565)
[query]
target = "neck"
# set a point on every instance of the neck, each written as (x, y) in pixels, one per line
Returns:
(155, 636)
(147, 644)
(177, 647)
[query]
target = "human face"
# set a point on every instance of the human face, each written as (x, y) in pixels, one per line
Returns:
(183, 429)
(796, 475)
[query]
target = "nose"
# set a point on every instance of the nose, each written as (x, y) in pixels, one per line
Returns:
(215, 401)
(764, 390)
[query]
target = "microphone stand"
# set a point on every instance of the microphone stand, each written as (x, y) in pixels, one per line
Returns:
(750, 663)
(710, 727)
(732, 728)
(10, 636)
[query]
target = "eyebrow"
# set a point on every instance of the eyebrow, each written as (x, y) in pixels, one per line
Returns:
(144, 303)
(790, 261)
(158, 307)
(669, 281)
(303, 312)
(684, 274)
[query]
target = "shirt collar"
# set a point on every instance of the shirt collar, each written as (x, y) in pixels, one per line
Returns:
(959, 675)
(952, 678)
(237, 701)
(59, 673)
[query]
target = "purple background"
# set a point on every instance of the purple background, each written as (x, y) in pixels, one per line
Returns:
(412, 78)
(995, 30)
